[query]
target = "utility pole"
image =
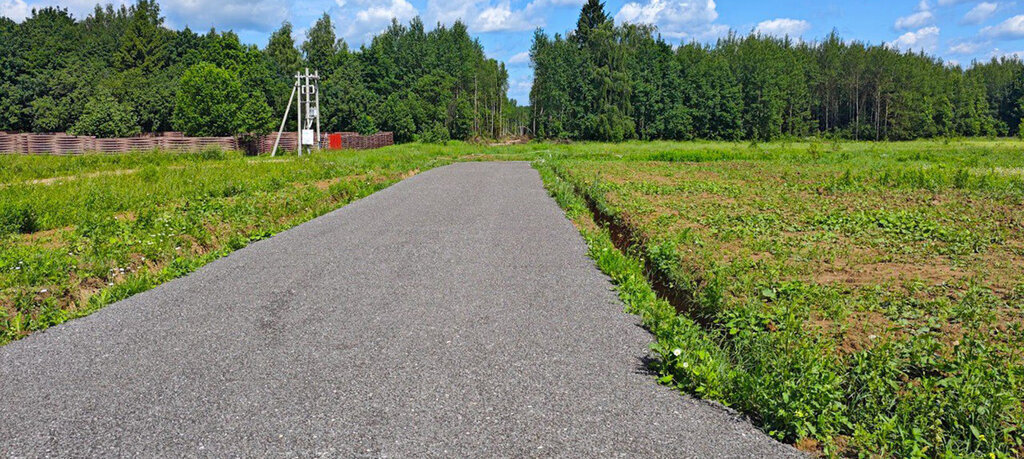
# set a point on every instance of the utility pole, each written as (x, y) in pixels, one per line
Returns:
(307, 122)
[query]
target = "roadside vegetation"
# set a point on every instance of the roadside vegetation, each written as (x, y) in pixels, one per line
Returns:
(852, 298)
(80, 232)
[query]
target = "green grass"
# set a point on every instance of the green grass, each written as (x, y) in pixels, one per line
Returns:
(864, 297)
(114, 225)
(868, 298)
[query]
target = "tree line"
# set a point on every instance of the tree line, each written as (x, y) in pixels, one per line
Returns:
(121, 72)
(611, 82)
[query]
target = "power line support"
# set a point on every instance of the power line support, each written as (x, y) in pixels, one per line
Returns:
(307, 87)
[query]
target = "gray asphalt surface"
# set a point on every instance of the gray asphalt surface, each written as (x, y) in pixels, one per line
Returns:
(453, 314)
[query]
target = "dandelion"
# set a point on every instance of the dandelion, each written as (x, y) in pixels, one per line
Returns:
(676, 352)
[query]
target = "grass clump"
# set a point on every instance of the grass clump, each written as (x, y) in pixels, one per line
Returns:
(18, 218)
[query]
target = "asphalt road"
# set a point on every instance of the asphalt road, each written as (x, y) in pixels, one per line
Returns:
(453, 314)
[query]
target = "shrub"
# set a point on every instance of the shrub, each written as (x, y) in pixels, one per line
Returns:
(365, 125)
(212, 102)
(436, 133)
(104, 116)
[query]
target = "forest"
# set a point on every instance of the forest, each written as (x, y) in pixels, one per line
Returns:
(121, 72)
(611, 82)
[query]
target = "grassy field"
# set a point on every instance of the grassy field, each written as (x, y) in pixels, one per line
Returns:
(853, 298)
(80, 232)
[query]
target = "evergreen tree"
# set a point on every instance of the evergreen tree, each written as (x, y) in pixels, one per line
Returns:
(592, 16)
(145, 42)
(319, 47)
(283, 54)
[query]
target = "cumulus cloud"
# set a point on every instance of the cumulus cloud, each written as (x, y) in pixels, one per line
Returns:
(1000, 53)
(915, 21)
(260, 16)
(16, 10)
(980, 13)
(519, 58)
(537, 5)
(501, 17)
(484, 16)
(926, 39)
(783, 27)
(519, 88)
(239, 15)
(360, 20)
(1010, 28)
(675, 18)
(967, 47)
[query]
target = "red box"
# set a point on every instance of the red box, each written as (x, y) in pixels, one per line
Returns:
(334, 141)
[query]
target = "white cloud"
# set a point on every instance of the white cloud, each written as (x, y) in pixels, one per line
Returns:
(926, 39)
(1010, 28)
(360, 20)
(1000, 53)
(967, 47)
(980, 13)
(519, 58)
(16, 10)
(483, 16)
(782, 27)
(519, 88)
(675, 18)
(261, 16)
(20, 9)
(500, 18)
(537, 5)
(916, 20)
(239, 15)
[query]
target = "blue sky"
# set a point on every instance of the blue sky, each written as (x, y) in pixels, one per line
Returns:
(956, 30)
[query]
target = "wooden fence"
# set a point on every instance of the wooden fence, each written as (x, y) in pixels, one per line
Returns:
(355, 141)
(63, 144)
